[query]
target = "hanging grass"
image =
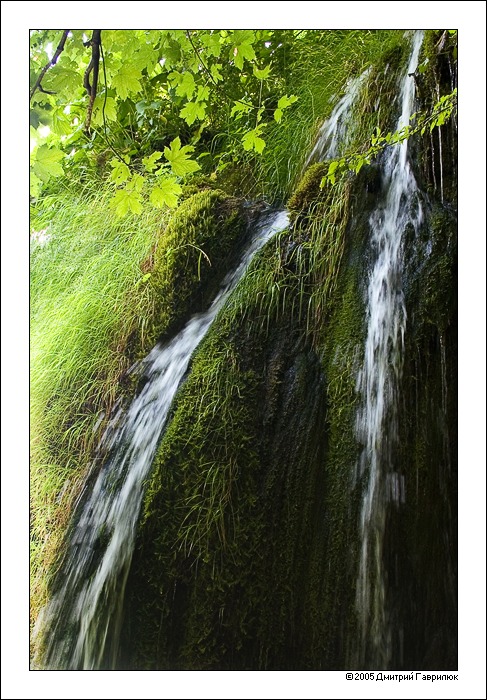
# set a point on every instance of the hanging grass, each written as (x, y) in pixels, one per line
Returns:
(88, 298)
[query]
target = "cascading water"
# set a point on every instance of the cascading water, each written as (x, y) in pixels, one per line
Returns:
(378, 381)
(84, 617)
(336, 132)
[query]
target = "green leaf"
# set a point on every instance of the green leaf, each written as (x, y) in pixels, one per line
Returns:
(145, 58)
(282, 104)
(60, 124)
(211, 42)
(187, 86)
(179, 159)
(441, 118)
(62, 80)
(243, 36)
(110, 111)
(215, 72)
(34, 118)
(150, 161)
(278, 115)
(120, 172)
(166, 193)
(124, 201)
(203, 93)
(193, 111)
(358, 165)
(286, 101)
(46, 163)
(174, 78)
(171, 52)
(35, 184)
(252, 140)
(332, 167)
(136, 183)
(242, 47)
(126, 81)
(262, 74)
(240, 108)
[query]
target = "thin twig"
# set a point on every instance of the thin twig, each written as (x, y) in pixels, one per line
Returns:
(52, 62)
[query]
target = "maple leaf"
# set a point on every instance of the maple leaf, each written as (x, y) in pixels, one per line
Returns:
(252, 140)
(46, 164)
(124, 201)
(166, 192)
(186, 87)
(126, 80)
(282, 104)
(150, 161)
(179, 159)
(193, 111)
(120, 172)
(110, 110)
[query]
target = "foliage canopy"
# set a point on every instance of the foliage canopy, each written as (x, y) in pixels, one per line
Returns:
(134, 97)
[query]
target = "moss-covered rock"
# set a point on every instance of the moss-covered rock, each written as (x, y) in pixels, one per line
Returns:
(192, 255)
(183, 270)
(248, 513)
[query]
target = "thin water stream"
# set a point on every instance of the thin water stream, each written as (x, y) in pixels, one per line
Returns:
(378, 382)
(84, 616)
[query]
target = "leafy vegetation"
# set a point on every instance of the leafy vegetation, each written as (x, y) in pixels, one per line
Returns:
(169, 103)
(174, 85)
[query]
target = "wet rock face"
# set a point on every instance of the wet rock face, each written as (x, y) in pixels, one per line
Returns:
(274, 585)
(263, 460)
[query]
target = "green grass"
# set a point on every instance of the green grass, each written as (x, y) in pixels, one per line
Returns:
(87, 301)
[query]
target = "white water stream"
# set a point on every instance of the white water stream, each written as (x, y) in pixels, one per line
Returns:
(84, 617)
(378, 380)
(336, 132)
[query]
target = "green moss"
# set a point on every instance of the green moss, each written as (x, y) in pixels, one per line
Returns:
(239, 562)
(438, 63)
(88, 334)
(192, 255)
(428, 449)
(248, 541)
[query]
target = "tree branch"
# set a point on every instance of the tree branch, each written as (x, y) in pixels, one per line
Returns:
(52, 62)
(93, 66)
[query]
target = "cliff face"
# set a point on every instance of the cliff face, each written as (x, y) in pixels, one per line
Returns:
(249, 541)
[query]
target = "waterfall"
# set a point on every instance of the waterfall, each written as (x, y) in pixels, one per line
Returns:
(378, 382)
(84, 617)
(336, 132)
